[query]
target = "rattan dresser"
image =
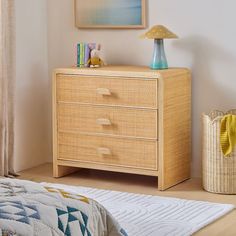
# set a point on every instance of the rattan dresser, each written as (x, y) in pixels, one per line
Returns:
(125, 119)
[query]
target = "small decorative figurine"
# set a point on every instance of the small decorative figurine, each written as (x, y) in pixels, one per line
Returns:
(158, 33)
(95, 60)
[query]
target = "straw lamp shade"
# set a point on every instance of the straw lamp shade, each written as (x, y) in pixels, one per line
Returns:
(159, 32)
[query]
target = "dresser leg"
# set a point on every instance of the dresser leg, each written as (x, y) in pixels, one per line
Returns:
(59, 171)
(159, 184)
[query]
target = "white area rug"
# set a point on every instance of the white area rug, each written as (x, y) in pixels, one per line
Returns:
(145, 215)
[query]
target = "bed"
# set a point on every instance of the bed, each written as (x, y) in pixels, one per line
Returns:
(28, 208)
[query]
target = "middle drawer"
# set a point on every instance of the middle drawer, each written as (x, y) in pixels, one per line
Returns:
(108, 120)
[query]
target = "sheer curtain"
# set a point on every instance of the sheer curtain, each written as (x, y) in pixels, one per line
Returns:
(7, 74)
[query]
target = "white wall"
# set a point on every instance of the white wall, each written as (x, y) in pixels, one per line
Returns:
(206, 45)
(32, 146)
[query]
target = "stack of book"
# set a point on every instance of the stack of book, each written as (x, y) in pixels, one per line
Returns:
(84, 53)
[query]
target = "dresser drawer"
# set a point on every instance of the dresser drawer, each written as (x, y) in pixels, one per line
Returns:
(108, 120)
(108, 151)
(107, 90)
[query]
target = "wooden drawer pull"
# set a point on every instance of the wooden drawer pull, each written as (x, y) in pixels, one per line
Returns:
(103, 121)
(104, 151)
(103, 91)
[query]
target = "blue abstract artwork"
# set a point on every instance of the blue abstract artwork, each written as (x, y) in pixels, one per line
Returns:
(110, 13)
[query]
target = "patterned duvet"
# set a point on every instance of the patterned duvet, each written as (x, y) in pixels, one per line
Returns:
(28, 208)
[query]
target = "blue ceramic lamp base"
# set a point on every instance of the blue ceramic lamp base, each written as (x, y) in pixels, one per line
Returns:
(159, 61)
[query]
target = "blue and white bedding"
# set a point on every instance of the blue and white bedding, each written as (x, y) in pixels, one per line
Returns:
(30, 209)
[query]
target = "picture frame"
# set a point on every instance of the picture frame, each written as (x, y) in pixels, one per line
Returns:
(110, 14)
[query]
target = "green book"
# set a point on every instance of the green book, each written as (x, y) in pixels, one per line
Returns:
(82, 51)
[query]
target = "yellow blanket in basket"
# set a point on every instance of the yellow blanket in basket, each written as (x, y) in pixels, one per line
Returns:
(228, 134)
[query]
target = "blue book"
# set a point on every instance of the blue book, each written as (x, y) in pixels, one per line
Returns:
(78, 54)
(86, 55)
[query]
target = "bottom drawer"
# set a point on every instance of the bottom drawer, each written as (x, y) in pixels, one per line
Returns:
(108, 151)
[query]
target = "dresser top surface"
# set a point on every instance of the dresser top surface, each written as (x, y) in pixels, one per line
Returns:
(129, 71)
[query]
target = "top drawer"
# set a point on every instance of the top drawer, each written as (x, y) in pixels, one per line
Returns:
(107, 90)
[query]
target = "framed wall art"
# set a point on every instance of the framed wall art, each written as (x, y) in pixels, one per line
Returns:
(128, 14)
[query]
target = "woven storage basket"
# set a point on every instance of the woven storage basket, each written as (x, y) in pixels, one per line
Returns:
(219, 173)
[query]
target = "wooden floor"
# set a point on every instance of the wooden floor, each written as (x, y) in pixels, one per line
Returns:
(190, 189)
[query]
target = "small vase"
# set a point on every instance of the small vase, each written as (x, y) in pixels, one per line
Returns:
(159, 61)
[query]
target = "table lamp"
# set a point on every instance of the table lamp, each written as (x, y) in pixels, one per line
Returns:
(158, 33)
